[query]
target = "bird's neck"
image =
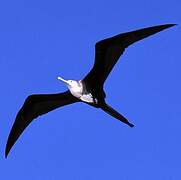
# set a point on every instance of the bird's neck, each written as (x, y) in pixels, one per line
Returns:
(76, 89)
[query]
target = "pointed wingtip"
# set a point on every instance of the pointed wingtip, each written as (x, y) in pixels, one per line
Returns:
(131, 125)
(170, 25)
(6, 154)
(7, 150)
(165, 26)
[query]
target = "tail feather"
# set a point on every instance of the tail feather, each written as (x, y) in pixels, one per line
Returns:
(109, 110)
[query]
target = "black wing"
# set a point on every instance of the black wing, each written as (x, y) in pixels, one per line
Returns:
(34, 106)
(108, 51)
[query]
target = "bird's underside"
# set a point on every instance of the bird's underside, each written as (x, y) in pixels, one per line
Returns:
(107, 53)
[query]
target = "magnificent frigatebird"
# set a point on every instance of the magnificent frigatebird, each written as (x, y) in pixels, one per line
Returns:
(88, 90)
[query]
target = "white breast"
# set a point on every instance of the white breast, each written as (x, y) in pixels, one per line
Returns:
(87, 98)
(78, 91)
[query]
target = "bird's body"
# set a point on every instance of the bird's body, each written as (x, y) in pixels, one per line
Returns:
(88, 90)
(79, 90)
(76, 88)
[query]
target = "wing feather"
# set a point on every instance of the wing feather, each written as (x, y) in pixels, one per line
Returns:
(108, 51)
(34, 106)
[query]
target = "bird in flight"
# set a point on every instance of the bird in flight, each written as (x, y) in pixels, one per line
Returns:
(89, 90)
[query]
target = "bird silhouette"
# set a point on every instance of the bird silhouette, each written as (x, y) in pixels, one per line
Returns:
(89, 90)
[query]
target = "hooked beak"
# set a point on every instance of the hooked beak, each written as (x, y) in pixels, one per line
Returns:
(61, 79)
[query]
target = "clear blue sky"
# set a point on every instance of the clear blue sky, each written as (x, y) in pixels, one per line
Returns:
(40, 40)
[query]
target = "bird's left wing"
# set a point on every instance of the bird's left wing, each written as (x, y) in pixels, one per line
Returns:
(109, 50)
(34, 106)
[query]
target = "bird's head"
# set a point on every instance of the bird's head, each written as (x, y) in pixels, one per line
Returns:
(69, 83)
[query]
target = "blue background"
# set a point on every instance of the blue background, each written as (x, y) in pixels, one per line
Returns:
(40, 40)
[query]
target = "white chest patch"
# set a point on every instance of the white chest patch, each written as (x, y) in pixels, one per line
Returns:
(79, 92)
(87, 98)
(76, 91)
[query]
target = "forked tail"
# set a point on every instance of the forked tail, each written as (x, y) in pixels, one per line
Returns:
(109, 110)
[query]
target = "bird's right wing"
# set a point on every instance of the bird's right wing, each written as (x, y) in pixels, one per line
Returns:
(109, 50)
(34, 106)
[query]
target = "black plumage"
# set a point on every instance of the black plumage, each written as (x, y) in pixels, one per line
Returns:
(107, 53)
